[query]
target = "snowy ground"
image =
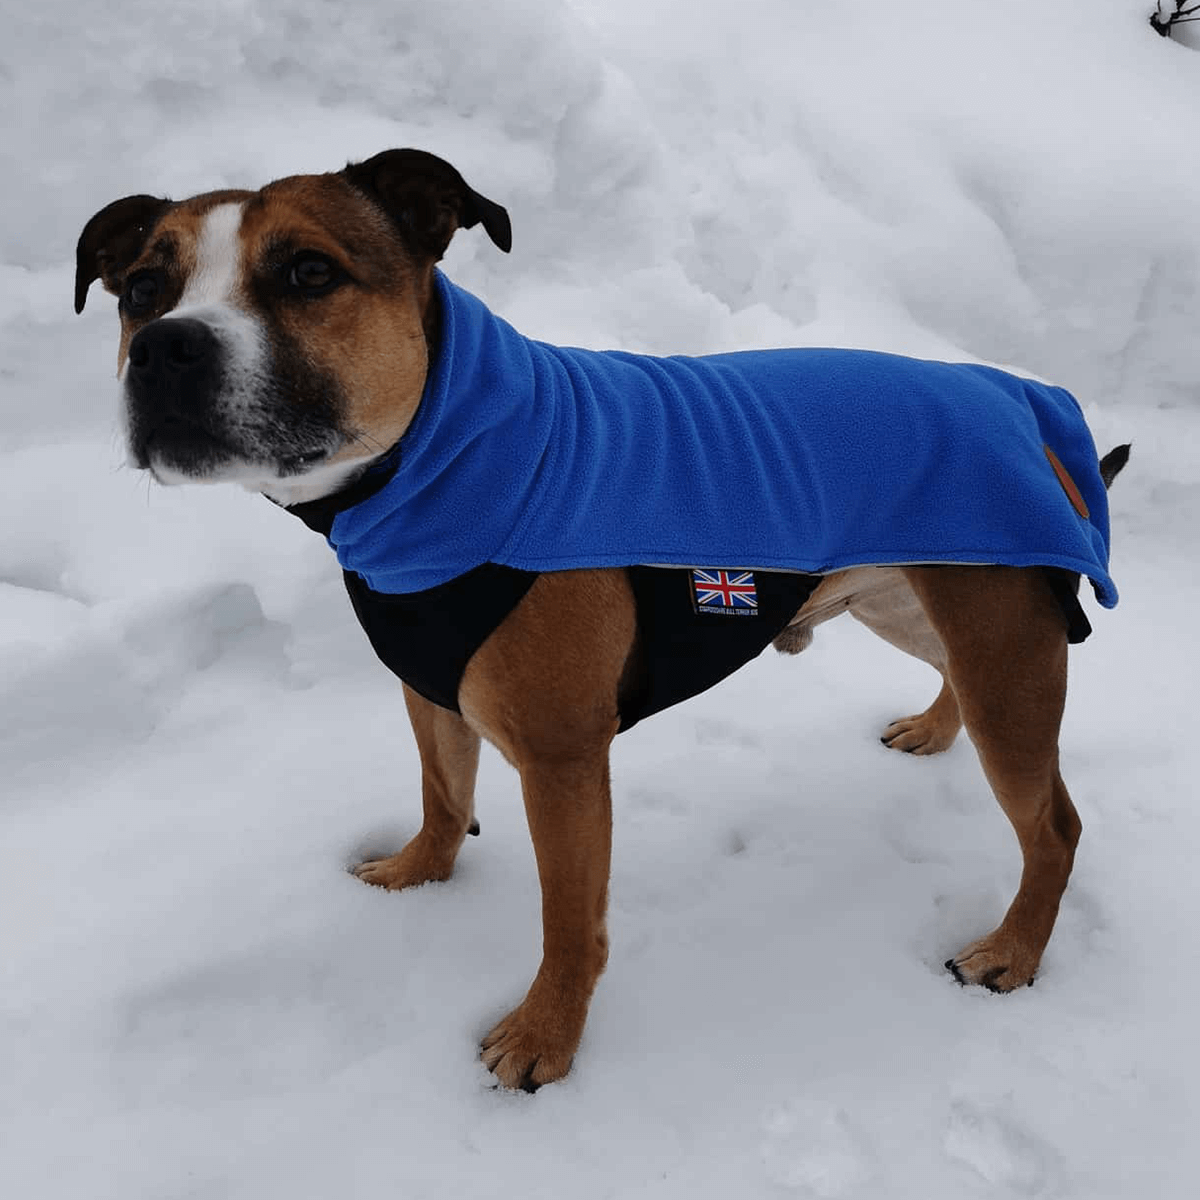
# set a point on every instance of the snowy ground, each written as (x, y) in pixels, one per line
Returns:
(195, 741)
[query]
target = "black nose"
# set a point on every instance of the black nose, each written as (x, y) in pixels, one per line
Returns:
(172, 387)
(172, 347)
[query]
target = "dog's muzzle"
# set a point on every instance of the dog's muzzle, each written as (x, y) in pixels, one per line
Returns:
(174, 376)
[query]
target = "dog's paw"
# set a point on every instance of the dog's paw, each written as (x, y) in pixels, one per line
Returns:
(922, 734)
(416, 864)
(995, 963)
(533, 1045)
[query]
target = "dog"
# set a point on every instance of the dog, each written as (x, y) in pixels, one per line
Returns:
(523, 551)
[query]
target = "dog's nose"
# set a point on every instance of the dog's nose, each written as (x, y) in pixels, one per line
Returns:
(172, 346)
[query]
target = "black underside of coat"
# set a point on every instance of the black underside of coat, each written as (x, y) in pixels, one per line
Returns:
(428, 638)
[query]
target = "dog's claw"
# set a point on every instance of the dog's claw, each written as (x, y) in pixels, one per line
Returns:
(993, 963)
(921, 734)
(991, 978)
(531, 1047)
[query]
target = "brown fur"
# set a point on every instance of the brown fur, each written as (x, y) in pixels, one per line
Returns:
(369, 337)
(544, 690)
(544, 687)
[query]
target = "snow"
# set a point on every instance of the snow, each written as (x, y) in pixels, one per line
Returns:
(200, 1001)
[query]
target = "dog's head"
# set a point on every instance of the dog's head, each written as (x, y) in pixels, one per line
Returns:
(279, 338)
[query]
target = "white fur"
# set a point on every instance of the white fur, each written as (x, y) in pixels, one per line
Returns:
(293, 489)
(218, 258)
(320, 481)
(211, 296)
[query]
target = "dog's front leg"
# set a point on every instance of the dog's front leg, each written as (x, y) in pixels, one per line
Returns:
(449, 750)
(570, 819)
(544, 688)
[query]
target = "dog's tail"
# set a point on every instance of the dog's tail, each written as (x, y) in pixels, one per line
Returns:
(1112, 463)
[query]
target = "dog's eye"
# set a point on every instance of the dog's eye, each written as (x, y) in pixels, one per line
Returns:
(312, 275)
(141, 294)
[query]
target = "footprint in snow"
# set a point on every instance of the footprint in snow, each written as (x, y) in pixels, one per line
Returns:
(1001, 1150)
(816, 1150)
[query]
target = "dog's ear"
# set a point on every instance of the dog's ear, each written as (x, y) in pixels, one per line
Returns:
(428, 200)
(111, 240)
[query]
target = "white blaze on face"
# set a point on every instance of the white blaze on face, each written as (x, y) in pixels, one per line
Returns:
(211, 295)
(218, 257)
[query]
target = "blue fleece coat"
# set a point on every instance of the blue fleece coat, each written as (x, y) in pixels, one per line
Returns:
(546, 458)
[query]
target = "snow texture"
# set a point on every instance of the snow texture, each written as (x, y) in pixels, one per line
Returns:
(199, 1001)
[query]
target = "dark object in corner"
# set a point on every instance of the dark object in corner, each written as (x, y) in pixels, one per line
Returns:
(1163, 25)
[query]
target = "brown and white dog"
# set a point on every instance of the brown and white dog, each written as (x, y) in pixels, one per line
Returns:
(280, 339)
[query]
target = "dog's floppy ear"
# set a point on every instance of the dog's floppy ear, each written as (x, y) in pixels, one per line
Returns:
(111, 240)
(428, 200)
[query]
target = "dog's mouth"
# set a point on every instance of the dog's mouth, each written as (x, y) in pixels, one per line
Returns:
(174, 446)
(180, 445)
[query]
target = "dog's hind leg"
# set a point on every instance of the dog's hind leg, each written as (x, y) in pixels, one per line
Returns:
(1006, 660)
(449, 750)
(885, 603)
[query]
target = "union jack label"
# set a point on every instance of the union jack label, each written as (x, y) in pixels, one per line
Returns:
(729, 593)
